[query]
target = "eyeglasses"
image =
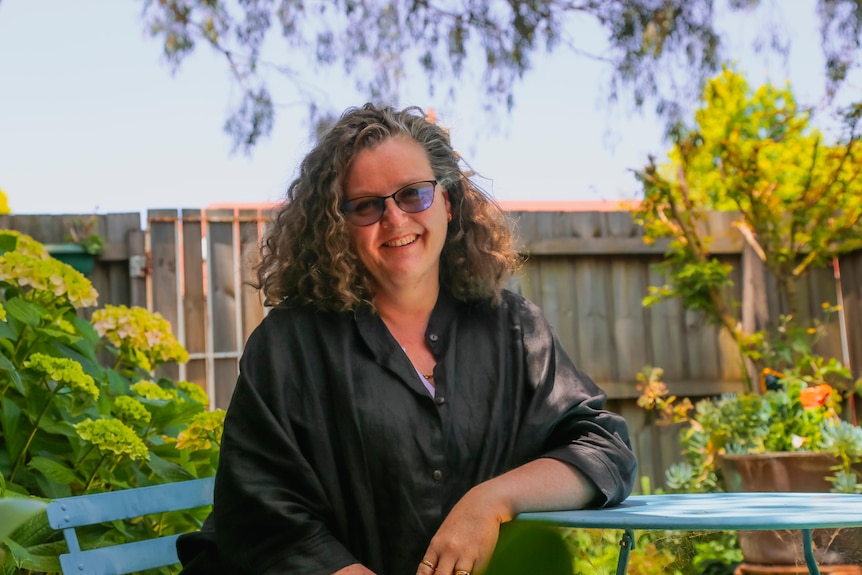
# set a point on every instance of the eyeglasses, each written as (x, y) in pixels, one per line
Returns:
(412, 198)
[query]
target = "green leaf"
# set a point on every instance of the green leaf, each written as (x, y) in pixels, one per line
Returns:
(54, 470)
(44, 557)
(57, 334)
(31, 562)
(9, 367)
(34, 531)
(10, 418)
(7, 331)
(6, 365)
(8, 243)
(26, 312)
(14, 512)
(167, 470)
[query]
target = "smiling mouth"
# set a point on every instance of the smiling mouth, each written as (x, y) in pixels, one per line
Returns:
(397, 243)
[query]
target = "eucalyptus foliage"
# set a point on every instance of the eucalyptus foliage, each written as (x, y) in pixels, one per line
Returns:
(651, 44)
(80, 411)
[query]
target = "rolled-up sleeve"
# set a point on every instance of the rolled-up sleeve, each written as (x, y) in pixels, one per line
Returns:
(569, 409)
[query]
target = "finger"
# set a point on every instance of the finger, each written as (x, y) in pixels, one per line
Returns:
(426, 567)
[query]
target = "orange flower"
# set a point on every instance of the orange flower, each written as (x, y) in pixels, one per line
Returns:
(812, 397)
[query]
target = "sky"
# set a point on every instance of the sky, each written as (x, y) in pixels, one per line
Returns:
(93, 121)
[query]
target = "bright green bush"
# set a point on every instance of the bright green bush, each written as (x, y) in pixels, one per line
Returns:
(80, 408)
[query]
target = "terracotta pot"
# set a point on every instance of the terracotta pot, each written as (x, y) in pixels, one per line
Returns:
(789, 472)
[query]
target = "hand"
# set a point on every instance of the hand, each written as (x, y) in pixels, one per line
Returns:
(466, 539)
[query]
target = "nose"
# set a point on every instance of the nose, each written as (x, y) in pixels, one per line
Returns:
(392, 214)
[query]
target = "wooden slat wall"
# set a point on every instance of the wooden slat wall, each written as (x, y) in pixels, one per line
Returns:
(202, 267)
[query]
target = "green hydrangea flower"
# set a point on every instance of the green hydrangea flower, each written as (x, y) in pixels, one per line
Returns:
(64, 371)
(113, 436)
(204, 429)
(152, 390)
(47, 279)
(26, 244)
(194, 391)
(143, 337)
(130, 409)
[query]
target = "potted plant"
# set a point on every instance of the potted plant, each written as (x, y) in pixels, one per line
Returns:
(790, 438)
(82, 245)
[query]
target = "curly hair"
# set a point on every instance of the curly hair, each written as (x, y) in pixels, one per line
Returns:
(307, 254)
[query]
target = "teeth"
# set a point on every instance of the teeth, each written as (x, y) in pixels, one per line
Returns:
(401, 241)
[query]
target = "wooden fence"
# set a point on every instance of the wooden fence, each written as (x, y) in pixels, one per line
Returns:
(588, 271)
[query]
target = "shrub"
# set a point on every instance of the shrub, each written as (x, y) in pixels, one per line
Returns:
(80, 410)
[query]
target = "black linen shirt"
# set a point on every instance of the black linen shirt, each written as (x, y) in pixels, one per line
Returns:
(335, 453)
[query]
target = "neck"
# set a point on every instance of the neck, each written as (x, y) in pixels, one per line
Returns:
(407, 307)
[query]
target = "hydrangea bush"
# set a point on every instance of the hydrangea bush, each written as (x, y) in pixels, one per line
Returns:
(80, 408)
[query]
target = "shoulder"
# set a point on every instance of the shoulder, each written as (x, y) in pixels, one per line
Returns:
(295, 321)
(518, 304)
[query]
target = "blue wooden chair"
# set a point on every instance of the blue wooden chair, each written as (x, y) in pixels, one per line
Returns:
(68, 513)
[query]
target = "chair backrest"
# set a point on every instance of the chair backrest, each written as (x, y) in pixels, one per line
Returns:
(69, 513)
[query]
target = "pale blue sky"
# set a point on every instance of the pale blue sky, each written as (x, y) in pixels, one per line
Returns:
(91, 120)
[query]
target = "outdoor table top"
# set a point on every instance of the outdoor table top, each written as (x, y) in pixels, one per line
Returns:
(716, 511)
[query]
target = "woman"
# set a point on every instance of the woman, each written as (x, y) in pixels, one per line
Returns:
(397, 406)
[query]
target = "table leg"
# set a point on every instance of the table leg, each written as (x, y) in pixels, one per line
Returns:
(808, 550)
(627, 543)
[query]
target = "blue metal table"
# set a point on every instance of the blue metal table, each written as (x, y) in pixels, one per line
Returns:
(716, 511)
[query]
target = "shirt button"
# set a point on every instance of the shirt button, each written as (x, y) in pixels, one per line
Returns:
(433, 336)
(439, 400)
(438, 475)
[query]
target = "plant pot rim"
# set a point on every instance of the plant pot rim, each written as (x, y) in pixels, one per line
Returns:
(777, 455)
(65, 248)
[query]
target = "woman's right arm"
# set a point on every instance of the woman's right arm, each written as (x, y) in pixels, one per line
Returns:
(271, 512)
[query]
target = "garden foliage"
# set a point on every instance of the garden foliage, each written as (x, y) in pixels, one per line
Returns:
(80, 408)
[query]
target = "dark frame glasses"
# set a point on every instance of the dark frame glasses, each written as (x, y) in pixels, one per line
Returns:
(411, 199)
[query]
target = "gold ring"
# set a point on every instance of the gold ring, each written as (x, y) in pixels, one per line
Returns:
(431, 565)
(460, 572)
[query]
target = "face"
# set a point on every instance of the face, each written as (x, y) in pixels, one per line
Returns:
(401, 250)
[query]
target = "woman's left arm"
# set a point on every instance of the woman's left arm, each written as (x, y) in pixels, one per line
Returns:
(466, 539)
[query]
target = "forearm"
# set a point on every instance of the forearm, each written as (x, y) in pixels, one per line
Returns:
(541, 485)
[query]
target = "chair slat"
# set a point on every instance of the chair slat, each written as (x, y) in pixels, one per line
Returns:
(67, 513)
(121, 559)
(127, 503)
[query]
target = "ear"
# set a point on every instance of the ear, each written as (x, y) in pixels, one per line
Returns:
(448, 204)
